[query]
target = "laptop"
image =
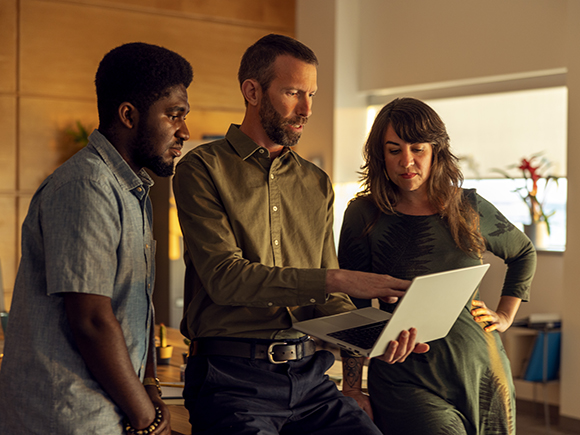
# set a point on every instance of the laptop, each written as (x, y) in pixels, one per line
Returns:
(431, 304)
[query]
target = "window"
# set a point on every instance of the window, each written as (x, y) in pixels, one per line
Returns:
(494, 131)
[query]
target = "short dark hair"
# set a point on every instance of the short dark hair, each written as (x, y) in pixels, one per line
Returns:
(259, 58)
(140, 74)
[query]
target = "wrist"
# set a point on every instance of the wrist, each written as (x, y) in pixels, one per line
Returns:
(331, 280)
(348, 389)
(504, 323)
(150, 381)
(149, 429)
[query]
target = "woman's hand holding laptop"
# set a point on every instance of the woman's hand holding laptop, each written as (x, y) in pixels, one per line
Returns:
(398, 351)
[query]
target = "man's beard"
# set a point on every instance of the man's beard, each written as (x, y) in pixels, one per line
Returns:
(145, 157)
(274, 124)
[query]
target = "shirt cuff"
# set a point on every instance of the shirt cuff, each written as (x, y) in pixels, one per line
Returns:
(312, 286)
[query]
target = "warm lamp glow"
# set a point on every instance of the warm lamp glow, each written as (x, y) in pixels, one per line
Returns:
(175, 234)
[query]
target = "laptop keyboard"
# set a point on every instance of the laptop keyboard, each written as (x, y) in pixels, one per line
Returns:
(362, 336)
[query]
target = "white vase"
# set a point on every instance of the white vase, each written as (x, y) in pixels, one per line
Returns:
(538, 234)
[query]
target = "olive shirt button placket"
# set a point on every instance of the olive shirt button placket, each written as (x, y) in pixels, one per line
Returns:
(275, 217)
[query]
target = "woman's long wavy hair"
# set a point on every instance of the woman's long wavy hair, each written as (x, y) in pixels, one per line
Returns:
(416, 122)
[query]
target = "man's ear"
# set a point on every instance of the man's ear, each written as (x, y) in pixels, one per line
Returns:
(128, 115)
(252, 91)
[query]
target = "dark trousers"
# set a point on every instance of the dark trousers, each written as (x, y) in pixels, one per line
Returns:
(229, 395)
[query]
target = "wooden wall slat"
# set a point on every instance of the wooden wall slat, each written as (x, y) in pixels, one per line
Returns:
(83, 34)
(211, 122)
(8, 143)
(8, 254)
(272, 14)
(8, 50)
(44, 144)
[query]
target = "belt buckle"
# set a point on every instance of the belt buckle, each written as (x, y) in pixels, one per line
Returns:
(271, 352)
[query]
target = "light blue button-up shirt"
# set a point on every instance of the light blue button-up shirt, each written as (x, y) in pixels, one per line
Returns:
(88, 230)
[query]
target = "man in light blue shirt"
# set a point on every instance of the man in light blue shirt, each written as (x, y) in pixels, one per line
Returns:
(79, 345)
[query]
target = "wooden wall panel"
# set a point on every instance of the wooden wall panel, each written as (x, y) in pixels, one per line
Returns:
(205, 122)
(60, 50)
(272, 14)
(21, 211)
(44, 144)
(49, 54)
(8, 143)
(8, 247)
(8, 45)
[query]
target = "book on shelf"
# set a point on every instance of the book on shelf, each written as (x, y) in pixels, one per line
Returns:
(543, 363)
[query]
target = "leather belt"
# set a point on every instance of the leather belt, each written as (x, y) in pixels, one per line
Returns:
(275, 351)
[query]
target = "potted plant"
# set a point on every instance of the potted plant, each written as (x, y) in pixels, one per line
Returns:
(164, 350)
(534, 171)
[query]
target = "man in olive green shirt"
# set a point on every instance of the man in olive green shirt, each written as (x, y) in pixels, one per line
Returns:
(257, 224)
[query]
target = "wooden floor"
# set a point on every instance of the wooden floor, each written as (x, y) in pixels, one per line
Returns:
(535, 425)
(527, 424)
(179, 420)
(531, 420)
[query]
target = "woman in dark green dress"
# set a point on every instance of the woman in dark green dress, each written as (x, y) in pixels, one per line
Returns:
(413, 218)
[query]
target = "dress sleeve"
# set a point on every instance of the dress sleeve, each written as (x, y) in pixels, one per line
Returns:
(354, 249)
(228, 277)
(505, 241)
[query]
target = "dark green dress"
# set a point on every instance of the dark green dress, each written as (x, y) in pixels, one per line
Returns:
(463, 385)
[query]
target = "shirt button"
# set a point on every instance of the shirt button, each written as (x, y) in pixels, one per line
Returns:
(270, 304)
(276, 242)
(262, 150)
(147, 246)
(313, 300)
(139, 189)
(272, 176)
(275, 208)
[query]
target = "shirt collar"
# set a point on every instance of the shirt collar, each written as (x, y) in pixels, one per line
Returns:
(126, 177)
(245, 146)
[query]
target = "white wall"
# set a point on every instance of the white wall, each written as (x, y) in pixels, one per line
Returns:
(420, 46)
(317, 143)
(570, 379)
(419, 42)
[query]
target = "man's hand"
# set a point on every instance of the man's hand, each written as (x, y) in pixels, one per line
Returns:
(101, 343)
(352, 369)
(365, 285)
(399, 350)
(361, 399)
(164, 427)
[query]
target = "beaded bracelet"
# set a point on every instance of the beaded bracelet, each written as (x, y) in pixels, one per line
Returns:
(153, 381)
(149, 430)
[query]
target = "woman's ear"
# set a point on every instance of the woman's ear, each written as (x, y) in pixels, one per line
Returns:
(128, 114)
(252, 91)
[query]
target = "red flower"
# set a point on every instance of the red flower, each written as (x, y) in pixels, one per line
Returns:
(533, 174)
(529, 196)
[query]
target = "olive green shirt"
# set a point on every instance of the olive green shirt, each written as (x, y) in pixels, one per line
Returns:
(258, 240)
